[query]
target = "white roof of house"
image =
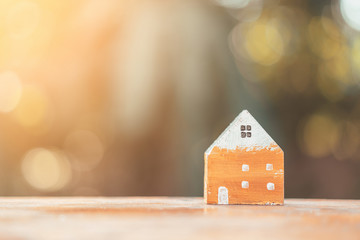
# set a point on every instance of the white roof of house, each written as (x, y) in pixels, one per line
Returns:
(231, 137)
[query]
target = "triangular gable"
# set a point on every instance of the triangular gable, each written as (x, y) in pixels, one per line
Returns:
(231, 138)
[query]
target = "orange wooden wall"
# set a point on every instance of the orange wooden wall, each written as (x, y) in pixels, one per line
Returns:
(223, 167)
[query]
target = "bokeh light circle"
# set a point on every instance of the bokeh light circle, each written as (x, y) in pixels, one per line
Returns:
(264, 44)
(233, 3)
(350, 10)
(46, 170)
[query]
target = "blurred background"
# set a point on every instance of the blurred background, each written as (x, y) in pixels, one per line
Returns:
(114, 98)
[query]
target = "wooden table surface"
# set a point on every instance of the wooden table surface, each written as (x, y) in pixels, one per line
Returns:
(175, 218)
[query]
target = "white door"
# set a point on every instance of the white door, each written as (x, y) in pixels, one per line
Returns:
(223, 196)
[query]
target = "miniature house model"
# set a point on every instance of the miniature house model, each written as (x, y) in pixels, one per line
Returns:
(244, 166)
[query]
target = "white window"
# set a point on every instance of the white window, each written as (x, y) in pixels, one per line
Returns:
(270, 186)
(269, 167)
(245, 184)
(245, 167)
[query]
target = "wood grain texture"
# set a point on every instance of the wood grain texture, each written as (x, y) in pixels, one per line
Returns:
(224, 168)
(175, 218)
